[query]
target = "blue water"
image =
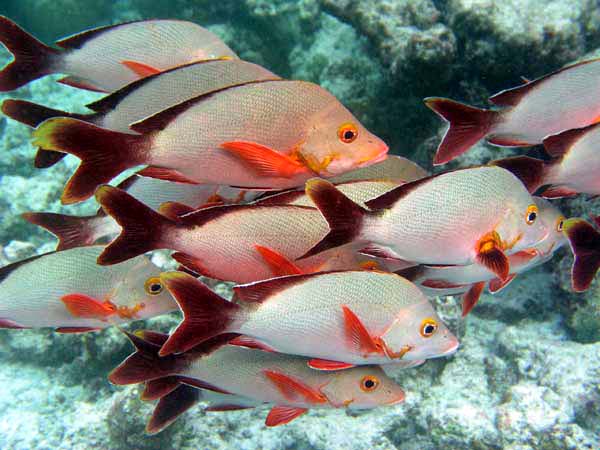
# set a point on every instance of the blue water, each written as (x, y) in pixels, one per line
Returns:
(526, 374)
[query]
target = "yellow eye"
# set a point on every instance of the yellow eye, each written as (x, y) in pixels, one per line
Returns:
(153, 286)
(347, 132)
(532, 213)
(369, 383)
(559, 224)
(428, 327)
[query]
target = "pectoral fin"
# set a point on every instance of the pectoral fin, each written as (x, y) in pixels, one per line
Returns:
(491, 255)
(280, 415)
(278, 263)
(359, 338)
(294, 390)
(324, 364)
(265, 161)
(86, 307)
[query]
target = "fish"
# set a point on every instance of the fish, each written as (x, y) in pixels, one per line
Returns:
(526, 114)
(69, 292)
(81, 231)
(584, 241)
(240, 243)
(572, 169)
(301, 130)
(461, 217)
(393, 168)
(470, 280)
(105, 59)
(339, 319)
(284, 381)
(143, 98)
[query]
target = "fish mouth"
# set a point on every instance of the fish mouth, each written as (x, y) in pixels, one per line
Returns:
(452, 348)
(378, 157)
(399, 399)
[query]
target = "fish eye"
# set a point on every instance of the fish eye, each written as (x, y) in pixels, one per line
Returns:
(559, 224)
(347, 132)
(369, 383)
(428, 327)
(532, 213)
(153, 286)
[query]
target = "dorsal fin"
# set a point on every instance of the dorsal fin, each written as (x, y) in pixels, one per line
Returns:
(512, 96)
(204, 215)
(261, 291)
(558, 145)
(78, 40)
(388, 199)
(7, 270)
(160, 120)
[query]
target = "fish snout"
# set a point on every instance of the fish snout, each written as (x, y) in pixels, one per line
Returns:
(399, 397)
(451, 346)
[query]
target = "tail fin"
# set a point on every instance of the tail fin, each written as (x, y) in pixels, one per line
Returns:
(160, 387)
(144, 364)
(71, 231)
(345, 218)
(205, 314)
(468, 125)
(32, 59)
(142, 227)
(171, 406)
(585, 244)
(104, 153)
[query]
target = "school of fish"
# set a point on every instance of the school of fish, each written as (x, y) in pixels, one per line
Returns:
(336, 247)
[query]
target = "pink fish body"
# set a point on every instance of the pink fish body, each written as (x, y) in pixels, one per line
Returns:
(269, 135)
(556, 102)
(68, 291)
(352, 317)
(107, 58)
(283, 380)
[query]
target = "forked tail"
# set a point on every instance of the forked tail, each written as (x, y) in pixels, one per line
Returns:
(584, 240)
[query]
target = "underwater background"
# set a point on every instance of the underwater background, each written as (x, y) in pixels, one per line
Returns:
(527, 375)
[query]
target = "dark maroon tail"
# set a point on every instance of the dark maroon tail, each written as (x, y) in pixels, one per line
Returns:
(142, 227)
(345, 218)
(156, 389)
(71, 231)
(205, 314)
(144, 364)
(585, 244)
(32, 59)
(32, 114)
(171, 406)
(104, 153)
(468, 125)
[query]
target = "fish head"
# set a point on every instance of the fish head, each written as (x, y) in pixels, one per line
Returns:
(553, 219)
(362, 387)
(336, 143)
(140, 293)
(417, 332)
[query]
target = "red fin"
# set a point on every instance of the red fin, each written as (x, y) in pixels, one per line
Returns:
(585, 245)
(261, 291)
(154, 337)
(174, 210)
(280, 415)
(171, 406)
(279, 264)
(192, 263)
(558, 192)
(71, 231)
(345, 218)
(471, 297)
(512, 96)
(248, 342)
(496, 285)
(47, 158)
(32, 59)
(71, 330)
(84, 306)
(529, 170)
(468, 125)
(158, 388)
(162, 173)
(140, 69)
(7, 323)
(324, 364)
(205, 314)
(264, 161)
(558, 145)
(294, 390)
(104, 153)
(142, 228)
(79, 83)
(490, 255)
(144, 364)
(32, 114)
(359, 338)
(440, 284)
(226, 407)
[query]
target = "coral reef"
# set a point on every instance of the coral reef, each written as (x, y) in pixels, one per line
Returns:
(526, 376)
